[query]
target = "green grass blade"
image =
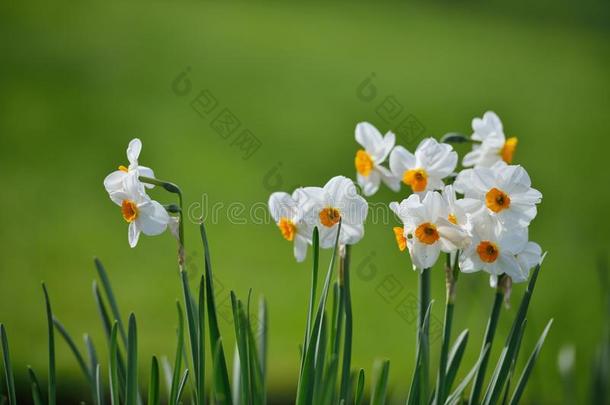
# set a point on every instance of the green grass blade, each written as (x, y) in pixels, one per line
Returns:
(201, 344)
(98, 385)
(36, 391)
(101, 308)
(359, 388)
(98, 396)
(153, 386)
(242, 347)
(256, 371)
(178, 360)
(380, 384)
(101, 271)
(263, 326)
(489, 337)
(455, 358)
(456, 397)
(347, 342)
(74, 349)
(132, 363)
(442, 370)
(417, 390)
(115, 384)
(191, 319)
(221, 388)
(236, 383)
(424, 301)
(307, 373)
(181, 386)
(529, 366)
(52, 391)
(8, 368)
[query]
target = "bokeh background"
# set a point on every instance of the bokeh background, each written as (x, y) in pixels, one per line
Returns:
(79, 80)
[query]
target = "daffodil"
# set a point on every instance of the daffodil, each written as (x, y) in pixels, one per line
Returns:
(491, 145)
(504, 189)
(143, 214)
(115, 180)
(427, 229)
(494, 249)
(426, 169)
(337, 201)
(368, 160)
(289, 213)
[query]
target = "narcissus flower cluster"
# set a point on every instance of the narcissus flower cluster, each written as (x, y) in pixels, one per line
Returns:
(480, 214)
(325, 207)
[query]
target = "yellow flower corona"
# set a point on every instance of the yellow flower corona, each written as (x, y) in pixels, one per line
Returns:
(129, 209)
(451, 218)
(401, 241)
(364, 163)
(287, 228)
(427, 233)
(329, 217)
(508, 150)
(497, 200)
(416, 178)
(488, 251)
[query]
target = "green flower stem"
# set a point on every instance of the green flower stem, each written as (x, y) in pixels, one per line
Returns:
(424, 302)
(489, 337)
(347, 345)
(450, 274)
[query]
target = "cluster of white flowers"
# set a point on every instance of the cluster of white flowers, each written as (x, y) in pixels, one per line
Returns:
(483, 217)
(125, 189)
(323, 207)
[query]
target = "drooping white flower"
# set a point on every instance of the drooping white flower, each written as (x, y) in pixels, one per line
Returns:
(337, 201)
(368, 160)
(491, 145)
(114, 181)
(426, 169)
(143, 214)
(504, 189)
(494, 249)
(290, 215)
(427, 229)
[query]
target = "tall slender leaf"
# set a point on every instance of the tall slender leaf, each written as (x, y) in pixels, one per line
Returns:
(132, 363)
(153, 386)
(201, 344)
(380, 384)
(529, 366)
(222, 389)
(455, 358)
(359, 388)
(74, 349)
(36, 391)
(456, 397)
(347, 343)
(51, 395)
(101, 271)
(8, 367)
(173, 396)
(116, 385)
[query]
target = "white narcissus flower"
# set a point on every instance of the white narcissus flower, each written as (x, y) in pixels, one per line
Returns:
(290, 214)
(427, 229)
(143, 214)
(337, 201)
(114, 181)
(426, 169)
(368, 160)
(504, 189)
(493, 249)
(492, 146)
(459, 211)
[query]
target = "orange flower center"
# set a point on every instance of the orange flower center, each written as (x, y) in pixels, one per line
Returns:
(401, 241)
(287, 228)
(488, 251)
(329, 216)
(508, 150)
(129, 209)
(427, 233)
(364, 163)
(123, 168)
(452, 219)
(497, 200)
(416, 178)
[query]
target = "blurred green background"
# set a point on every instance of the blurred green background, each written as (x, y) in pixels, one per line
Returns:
(79, 80)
